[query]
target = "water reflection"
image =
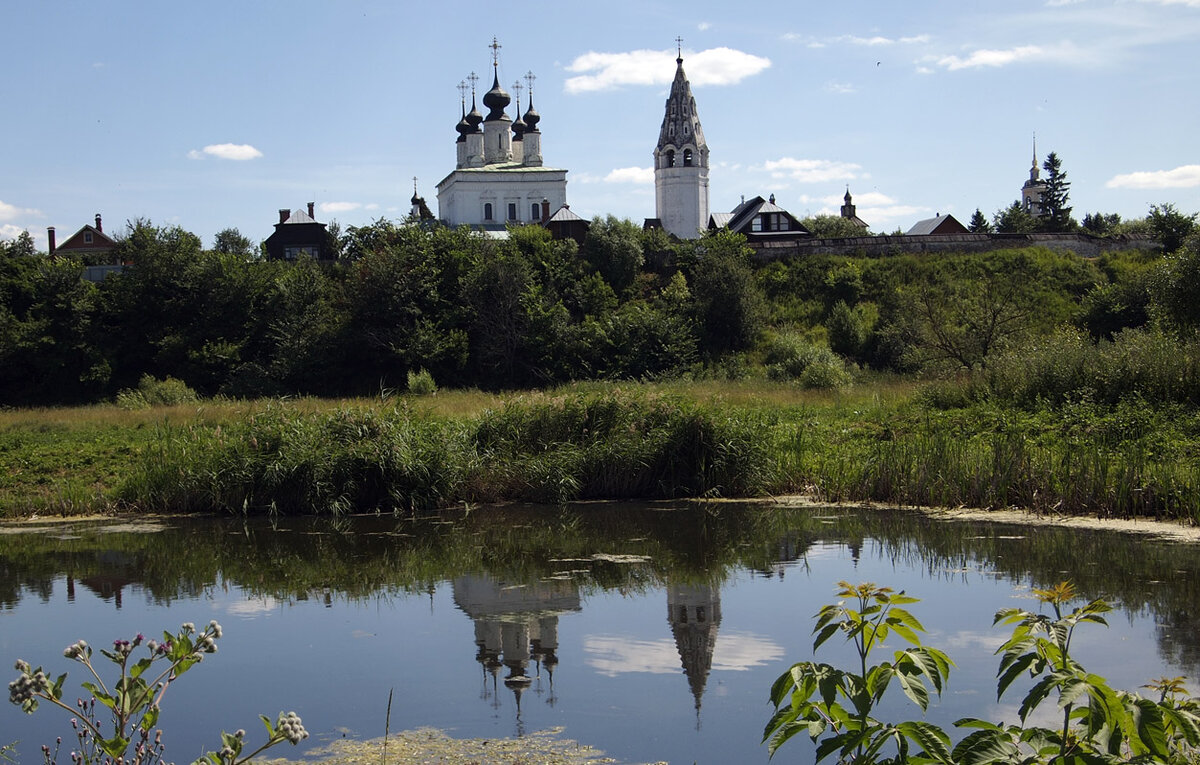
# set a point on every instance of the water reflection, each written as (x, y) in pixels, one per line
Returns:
(538, 587)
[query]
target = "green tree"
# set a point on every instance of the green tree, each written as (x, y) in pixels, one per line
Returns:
(1170, 226)
(1101, 224)
(979, 223)
(1056, 213)
(20, 247)
(728, 305)
(1014, 220)
(832, 227)
(229, 241)
(614, 248)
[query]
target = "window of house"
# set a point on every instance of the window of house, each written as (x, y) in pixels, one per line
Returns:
(87, 237)
(687, 157)
(512, 210)
(300, 251)
(487, 211)
(757, 223)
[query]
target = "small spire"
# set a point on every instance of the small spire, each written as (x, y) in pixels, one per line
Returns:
(679, 50)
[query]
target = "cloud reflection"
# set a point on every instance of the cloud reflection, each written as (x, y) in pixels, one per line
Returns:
(613, 655)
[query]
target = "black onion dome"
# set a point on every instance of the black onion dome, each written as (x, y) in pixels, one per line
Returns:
(473, 117)
(519, 127)
(532, 118)
(496, 99)
(463, 127)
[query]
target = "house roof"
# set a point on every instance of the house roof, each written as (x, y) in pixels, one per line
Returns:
(739, 220)
(931, 225)
(719, 219)
(299, 215)
(564, 214)
(100, 240)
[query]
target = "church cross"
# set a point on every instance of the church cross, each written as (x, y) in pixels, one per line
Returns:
(495, 46)
(679, 47)
(472, 78)
(529, 78)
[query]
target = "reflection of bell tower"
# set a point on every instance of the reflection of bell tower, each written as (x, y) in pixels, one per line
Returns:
(694, 613)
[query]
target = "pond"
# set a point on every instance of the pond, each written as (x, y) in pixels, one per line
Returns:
(652, 632)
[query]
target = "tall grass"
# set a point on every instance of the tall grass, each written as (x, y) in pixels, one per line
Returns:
(537, 448)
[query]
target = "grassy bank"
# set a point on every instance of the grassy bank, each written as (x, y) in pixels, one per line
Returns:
(884, 441)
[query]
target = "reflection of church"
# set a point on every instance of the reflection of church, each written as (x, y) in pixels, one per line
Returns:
(694, 613)
(514, 626)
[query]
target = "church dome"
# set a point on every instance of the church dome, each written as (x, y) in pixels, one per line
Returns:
(495, 100)
(532, 118)
(473, 117)
(519, 127)
(463, 127)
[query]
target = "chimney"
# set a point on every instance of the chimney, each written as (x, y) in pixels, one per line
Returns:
(545, 210)
(311, 214)
(284, 214)
(98, 226)
(50, 239)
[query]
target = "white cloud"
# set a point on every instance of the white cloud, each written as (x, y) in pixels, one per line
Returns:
(993, 58)
(340, 207)
(872, 42)
(10, 231)
(614, 655)
(606, 71)
(234, 151)
(638, 175)
(1186, 3)
(11, 212)
(704, 26)
(812, 170)
(840, 87)
(1182, 177)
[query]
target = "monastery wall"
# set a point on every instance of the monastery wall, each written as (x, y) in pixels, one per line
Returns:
(1084, 245)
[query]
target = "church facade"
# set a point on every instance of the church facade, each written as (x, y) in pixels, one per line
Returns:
(681, 163)
(499, 176)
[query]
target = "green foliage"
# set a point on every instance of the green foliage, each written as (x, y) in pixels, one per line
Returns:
(230, 241)
(1056, 213)
(850, 328)
(728, 305)
(1099, 724)
(1101, 224)
(835, 706)
(1173, 290)
(832, 227)
(1170, 226)
(153, 392)
(979, 223)
(421, 383)
(614, 248)
(1014, 220)
(133, 702)
(813, 365)
(21, 247)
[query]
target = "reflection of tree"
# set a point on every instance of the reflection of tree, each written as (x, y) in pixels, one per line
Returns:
(680, 543)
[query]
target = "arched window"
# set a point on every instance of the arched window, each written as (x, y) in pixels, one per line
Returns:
(687, 157)
(534, 212)
(487, 211)
(670, 158)
(512, 210)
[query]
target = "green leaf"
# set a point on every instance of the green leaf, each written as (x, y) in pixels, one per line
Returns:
(114, 747)
(781, 736)
(1036, 696)
(1150, 728)
(1011, 671)
(826, 632)
(929, 737)
(140, 666)
(986, 746)
(914, 689)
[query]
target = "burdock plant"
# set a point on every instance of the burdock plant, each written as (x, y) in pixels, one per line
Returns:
(135, 699)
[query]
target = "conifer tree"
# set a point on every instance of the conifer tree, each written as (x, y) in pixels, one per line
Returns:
(979, 223)
(1056, 213)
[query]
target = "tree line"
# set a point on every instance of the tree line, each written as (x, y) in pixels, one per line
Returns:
(531, 311)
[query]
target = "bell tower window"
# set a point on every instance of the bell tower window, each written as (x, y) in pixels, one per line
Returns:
(670, 158)
(687, 157)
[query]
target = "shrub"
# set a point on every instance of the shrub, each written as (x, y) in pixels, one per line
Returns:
(421, 383)
(154, 392)
(792, 357)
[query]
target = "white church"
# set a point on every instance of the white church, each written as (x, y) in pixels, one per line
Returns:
(499, 176)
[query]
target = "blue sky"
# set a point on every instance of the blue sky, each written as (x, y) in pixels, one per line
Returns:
(216, 114)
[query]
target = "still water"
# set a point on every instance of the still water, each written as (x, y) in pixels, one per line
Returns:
(651, 632)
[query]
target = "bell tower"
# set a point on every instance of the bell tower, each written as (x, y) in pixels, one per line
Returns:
(681, 161)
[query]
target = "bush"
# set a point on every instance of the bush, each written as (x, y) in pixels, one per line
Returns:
(792, 357)
(154, 392)
(420, 383)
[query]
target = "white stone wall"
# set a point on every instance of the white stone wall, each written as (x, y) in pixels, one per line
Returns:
(681, 199)
(463, 194)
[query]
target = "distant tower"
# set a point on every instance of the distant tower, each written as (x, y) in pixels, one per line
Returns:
(681, 162)
(848, 211)
(694, 613)
(1031, 192)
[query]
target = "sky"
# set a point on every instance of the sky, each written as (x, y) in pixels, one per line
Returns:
(216, 115)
